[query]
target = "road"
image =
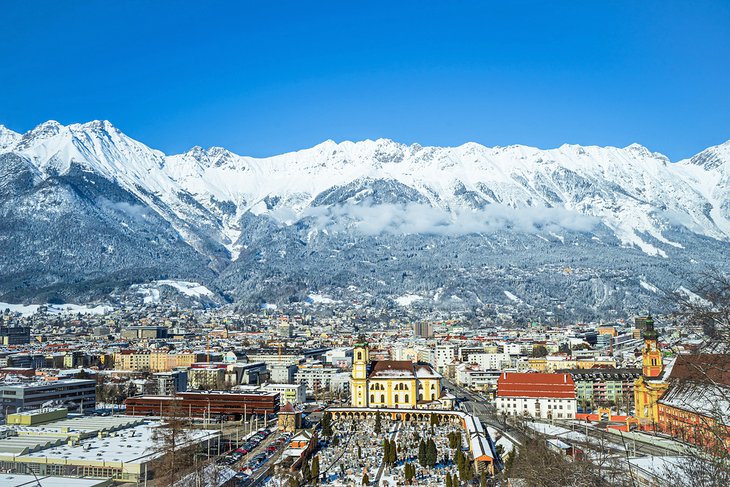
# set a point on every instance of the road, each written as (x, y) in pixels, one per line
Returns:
(486, 412)
(474, 404)
(262, 472)
(635, 445)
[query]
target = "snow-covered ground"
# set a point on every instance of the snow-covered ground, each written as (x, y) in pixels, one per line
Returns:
(408, 299)
(150, 292)
(187, 288)
(501, 440)
(320, 299)
(56, 309)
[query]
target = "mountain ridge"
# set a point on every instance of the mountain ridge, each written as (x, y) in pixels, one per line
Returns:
(218, 201)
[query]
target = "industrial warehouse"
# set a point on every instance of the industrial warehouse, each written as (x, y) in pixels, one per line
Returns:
(48, 442)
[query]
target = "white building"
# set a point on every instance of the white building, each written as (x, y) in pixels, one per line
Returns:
(471, 378)
(443, 355)
(293, 394)
(490, 361)
(315, 375)
(339, 357)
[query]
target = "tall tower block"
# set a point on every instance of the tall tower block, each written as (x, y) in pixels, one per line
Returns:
(651, 357)
(359, 396)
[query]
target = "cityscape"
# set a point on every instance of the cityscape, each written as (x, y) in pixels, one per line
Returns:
(349, 244)
(277, 398)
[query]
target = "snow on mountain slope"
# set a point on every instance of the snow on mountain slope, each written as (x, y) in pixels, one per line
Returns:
(101, 148)
(633, 191)
(709, 173)
(205, 193)
(8, 138)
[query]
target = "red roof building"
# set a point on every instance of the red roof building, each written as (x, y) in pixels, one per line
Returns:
(696, 406)
(538, 395)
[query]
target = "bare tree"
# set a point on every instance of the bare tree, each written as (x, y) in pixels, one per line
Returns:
(708, 306)
(701, 386)
(173, 442)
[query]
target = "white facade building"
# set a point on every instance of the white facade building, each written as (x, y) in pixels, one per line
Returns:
(538, 395)
(490, 361)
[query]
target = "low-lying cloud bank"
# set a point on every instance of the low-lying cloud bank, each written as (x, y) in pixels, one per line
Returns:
(417, 218)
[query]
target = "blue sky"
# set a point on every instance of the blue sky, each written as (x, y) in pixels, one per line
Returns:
(262, 78)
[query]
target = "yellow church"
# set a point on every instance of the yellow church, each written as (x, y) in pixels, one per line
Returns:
(395, 383)
(650, 387)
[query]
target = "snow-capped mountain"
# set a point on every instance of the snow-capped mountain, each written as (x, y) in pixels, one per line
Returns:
(224, 208)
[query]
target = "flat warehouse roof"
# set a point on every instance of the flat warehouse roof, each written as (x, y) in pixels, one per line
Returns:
(132, 445)
(18, 480)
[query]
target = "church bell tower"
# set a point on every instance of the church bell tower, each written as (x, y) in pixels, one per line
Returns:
(359, 396)
(651, 357)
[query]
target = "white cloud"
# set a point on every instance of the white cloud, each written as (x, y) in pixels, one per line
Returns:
(417, 218)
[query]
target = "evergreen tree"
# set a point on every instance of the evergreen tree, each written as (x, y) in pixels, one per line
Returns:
(306, 471)
(467, 472)
(431, 453)
(327, 424)
(359, 451)
(459, 461)
(508, 462)
(315, 469)
(422, 453)
(365, 479)
(448, 480)
(454, 481)
(483, 479)
(378, 426)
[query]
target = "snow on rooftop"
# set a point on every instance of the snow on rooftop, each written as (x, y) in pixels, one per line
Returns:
(20, 480)
(132, 445)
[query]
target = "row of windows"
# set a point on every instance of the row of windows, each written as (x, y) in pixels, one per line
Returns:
(406, 398)
(537, 405)
(376, 386)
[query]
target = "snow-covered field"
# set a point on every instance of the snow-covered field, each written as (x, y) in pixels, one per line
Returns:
(320, 299)
(150, 292)
(408, 299)
(56, 309)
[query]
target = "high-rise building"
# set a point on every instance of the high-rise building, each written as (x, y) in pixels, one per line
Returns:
(14, 335)
(170, 383)
(423, 330)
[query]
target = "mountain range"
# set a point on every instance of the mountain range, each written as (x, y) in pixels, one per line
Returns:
(576, 231)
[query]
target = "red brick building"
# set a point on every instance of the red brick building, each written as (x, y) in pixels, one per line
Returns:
(204, 404)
